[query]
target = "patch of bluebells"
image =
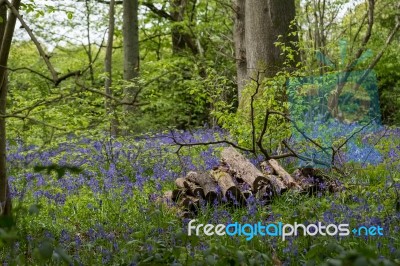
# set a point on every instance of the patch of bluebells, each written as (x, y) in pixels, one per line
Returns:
(327, 132)
(120, 167)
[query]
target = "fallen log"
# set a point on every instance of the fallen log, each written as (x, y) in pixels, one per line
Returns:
(266, 168)
(191, 188)
(229, 189)
(194, 190)
(176, 194)
(275, 185)
(189, 203)
(306, 182)
(237, 180)
(208, 184)
(242, 168)
(265, 193)
(285, 176)
(278, 187)
(180, 182)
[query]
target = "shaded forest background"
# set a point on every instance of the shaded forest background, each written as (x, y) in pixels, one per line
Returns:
(183, 62)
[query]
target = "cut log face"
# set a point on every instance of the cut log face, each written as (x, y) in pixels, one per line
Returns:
(176, 194)
(208, 184)
(180, 182)
(265, 193)
(194, 190)
(281, 172)
(189, 203)
(191, 188)
(278, 186)
(229, 189)
(242, 167)
(266, 168)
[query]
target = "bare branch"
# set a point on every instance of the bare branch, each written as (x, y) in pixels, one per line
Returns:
(30, 70)
(379, 56)
(161, 12)
(35, 41)
(23, 117)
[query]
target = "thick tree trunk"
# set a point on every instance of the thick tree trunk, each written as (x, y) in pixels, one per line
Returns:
(6, 35)
(131, 50)
(240, 45)
(264, 22)
(108, 69)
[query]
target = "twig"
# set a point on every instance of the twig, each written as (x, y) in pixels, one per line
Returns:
(22, 117)
(348, 139)
(35, 41)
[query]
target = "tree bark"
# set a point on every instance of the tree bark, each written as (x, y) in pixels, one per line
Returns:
(208, 184)
(108, 69)
(285, 176)
(229, 189)
(240, 45)
(6, 35)
(264, 22)
(131, 51)
(242, 167)
(191, 188)
(181, 39)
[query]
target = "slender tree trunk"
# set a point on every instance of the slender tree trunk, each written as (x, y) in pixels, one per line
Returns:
(131, 50)
(3, 140)
(6, 34)
(109, 49)
(89, 49)
(108, 69)
(240, 45)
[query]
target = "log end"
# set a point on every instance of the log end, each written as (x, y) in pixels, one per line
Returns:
(234, 195)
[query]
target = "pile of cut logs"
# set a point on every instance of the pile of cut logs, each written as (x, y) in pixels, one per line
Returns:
(236, 179)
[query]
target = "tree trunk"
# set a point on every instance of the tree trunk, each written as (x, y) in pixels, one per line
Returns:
(89, 51)
(6, 35)
(108, 69)
(177, 13)
(131, 51)
(264, 22)
(240, 45)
